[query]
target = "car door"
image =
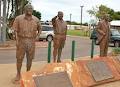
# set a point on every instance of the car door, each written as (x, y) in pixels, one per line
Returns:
(44, 32)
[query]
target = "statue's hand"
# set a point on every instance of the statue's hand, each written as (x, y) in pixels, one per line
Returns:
(104, 34)
(37, 37)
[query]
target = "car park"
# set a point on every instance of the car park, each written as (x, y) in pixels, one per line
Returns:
(114, 37)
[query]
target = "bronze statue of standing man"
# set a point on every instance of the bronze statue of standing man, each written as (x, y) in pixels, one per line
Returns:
(103, 30)
(26, 27)
(60, 30)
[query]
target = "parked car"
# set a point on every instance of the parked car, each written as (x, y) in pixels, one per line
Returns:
(114, 37)
(47, 33)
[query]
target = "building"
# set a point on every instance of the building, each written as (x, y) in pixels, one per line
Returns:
(115, 24)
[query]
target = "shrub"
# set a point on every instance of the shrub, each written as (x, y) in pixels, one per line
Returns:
(116, 50)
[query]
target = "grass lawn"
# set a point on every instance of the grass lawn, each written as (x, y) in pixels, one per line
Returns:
(77, 33)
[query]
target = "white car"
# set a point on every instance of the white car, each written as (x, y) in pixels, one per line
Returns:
(47, 33)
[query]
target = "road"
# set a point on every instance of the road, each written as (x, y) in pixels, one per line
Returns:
(83, 48)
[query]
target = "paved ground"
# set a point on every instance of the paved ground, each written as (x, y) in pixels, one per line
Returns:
(8, 71)
(83, 48)
(8, 66)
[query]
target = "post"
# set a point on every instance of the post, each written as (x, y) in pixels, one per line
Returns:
(92, 48)
(70, 20)
(73, 51)
(0, 22)
(81, 14)
(49, 51)
(4, 22)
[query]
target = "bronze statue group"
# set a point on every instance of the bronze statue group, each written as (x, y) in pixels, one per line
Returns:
(27, 27)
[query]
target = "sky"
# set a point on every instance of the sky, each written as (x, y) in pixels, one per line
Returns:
(49, 8)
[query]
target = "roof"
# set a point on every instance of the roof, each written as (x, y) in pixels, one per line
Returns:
(115, 23)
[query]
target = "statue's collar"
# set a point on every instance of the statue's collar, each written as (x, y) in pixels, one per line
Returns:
(28, 17)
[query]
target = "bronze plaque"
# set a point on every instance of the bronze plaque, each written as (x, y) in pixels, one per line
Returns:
(99, 70)
(60, 79)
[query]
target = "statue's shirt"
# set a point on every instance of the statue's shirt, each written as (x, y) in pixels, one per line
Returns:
(61, 27)
(26, 28)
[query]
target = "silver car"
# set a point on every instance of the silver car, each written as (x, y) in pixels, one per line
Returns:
(47, 33)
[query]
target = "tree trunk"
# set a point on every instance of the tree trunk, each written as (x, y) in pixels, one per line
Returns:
(16, 7)
(8, 7)
(0, 21)
(4, 22)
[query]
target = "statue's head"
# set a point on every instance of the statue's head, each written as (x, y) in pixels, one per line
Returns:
(60, 15)
(106, 17)
(28, 9)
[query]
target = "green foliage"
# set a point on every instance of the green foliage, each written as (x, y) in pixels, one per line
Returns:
(98, 12)
(72, 23)
(116, 50)
(76, 33)
(85, 24)
(116, 16)
(15, 7)
(37, 14)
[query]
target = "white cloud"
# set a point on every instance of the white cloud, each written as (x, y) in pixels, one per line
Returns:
(49, 8)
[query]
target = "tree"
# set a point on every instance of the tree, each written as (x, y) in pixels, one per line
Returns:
(93, 12)
(0, 21)
(98, 12)
(3, 19)
(37, 14)
(116, 16)
(18, 7)
(8, 7)
(72, 23)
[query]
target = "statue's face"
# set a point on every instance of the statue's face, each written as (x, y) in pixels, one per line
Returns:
(106, 17)
(60, 15)
(29, 10)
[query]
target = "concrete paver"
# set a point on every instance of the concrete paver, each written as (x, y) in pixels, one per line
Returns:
(8, 72)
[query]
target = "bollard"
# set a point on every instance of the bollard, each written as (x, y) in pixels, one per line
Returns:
(73, 51)
(92, 48)
(49, 51)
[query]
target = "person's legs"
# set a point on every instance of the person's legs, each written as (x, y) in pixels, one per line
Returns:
(29, 61)
(102, 48)
(19, 65)
(59, 55)
(62, 43)
(30, 54)
(55, 50)
(20, 52)
(106, 48)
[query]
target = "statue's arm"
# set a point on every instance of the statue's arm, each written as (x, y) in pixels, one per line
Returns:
(54, 22)
(99, 30)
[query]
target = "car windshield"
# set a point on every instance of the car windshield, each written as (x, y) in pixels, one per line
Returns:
(115, 32)
(45, 28)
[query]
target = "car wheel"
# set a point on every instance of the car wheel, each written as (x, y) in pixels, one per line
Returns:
(116, 44)
(49, 38)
